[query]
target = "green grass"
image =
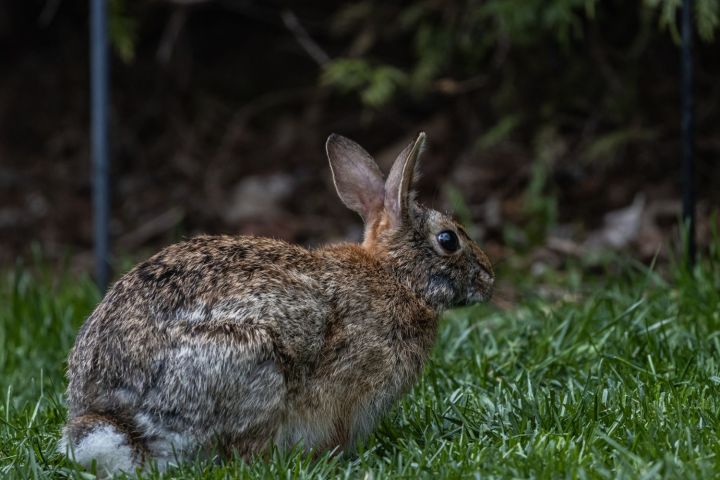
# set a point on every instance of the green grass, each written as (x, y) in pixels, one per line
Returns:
(616, 377)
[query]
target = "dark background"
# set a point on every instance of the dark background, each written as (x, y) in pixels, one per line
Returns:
(543, 119)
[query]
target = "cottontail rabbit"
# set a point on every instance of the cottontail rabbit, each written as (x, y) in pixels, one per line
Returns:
(230, 344)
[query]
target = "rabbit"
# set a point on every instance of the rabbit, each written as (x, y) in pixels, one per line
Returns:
(223, 345)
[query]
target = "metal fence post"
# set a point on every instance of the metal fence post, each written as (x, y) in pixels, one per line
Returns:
(99, 86)
(687, 123)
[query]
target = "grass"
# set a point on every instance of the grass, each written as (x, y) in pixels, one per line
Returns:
(617, 377)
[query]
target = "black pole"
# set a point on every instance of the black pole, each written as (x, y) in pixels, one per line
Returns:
(99, 87)
(688, 140)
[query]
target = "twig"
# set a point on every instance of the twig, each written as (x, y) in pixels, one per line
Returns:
(170, 35)
(48, 12)
(293, 24)
(152, 228)
(449, 86)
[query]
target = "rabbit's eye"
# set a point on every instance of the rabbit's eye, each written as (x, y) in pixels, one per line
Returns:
(448, 240)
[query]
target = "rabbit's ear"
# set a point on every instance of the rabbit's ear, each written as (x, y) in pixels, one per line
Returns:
(357, 178)
(400, 180)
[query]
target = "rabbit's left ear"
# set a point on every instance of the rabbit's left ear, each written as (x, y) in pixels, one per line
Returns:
(400, 180)
(357, 178)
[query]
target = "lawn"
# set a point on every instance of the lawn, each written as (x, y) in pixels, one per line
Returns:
(614, 375)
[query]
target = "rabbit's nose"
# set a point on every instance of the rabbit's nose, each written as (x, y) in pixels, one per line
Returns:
(486, 278)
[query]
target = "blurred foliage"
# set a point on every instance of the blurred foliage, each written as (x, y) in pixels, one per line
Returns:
(539, 205)
(707, 15)
(462, 38)
(123, 30)
(376, 85)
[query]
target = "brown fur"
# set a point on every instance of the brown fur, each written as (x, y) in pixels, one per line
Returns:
(241, 342)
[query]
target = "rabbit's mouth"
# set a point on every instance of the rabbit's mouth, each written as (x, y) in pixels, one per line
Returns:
(479, 296)
(442, 292)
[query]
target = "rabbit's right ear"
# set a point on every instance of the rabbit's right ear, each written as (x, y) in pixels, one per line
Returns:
(357, 178)
(398, 193)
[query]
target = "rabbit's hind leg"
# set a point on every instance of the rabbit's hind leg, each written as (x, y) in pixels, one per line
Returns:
(221, 392)
(108, 443)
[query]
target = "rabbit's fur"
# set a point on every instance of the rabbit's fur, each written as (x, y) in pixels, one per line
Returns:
(232, 344)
